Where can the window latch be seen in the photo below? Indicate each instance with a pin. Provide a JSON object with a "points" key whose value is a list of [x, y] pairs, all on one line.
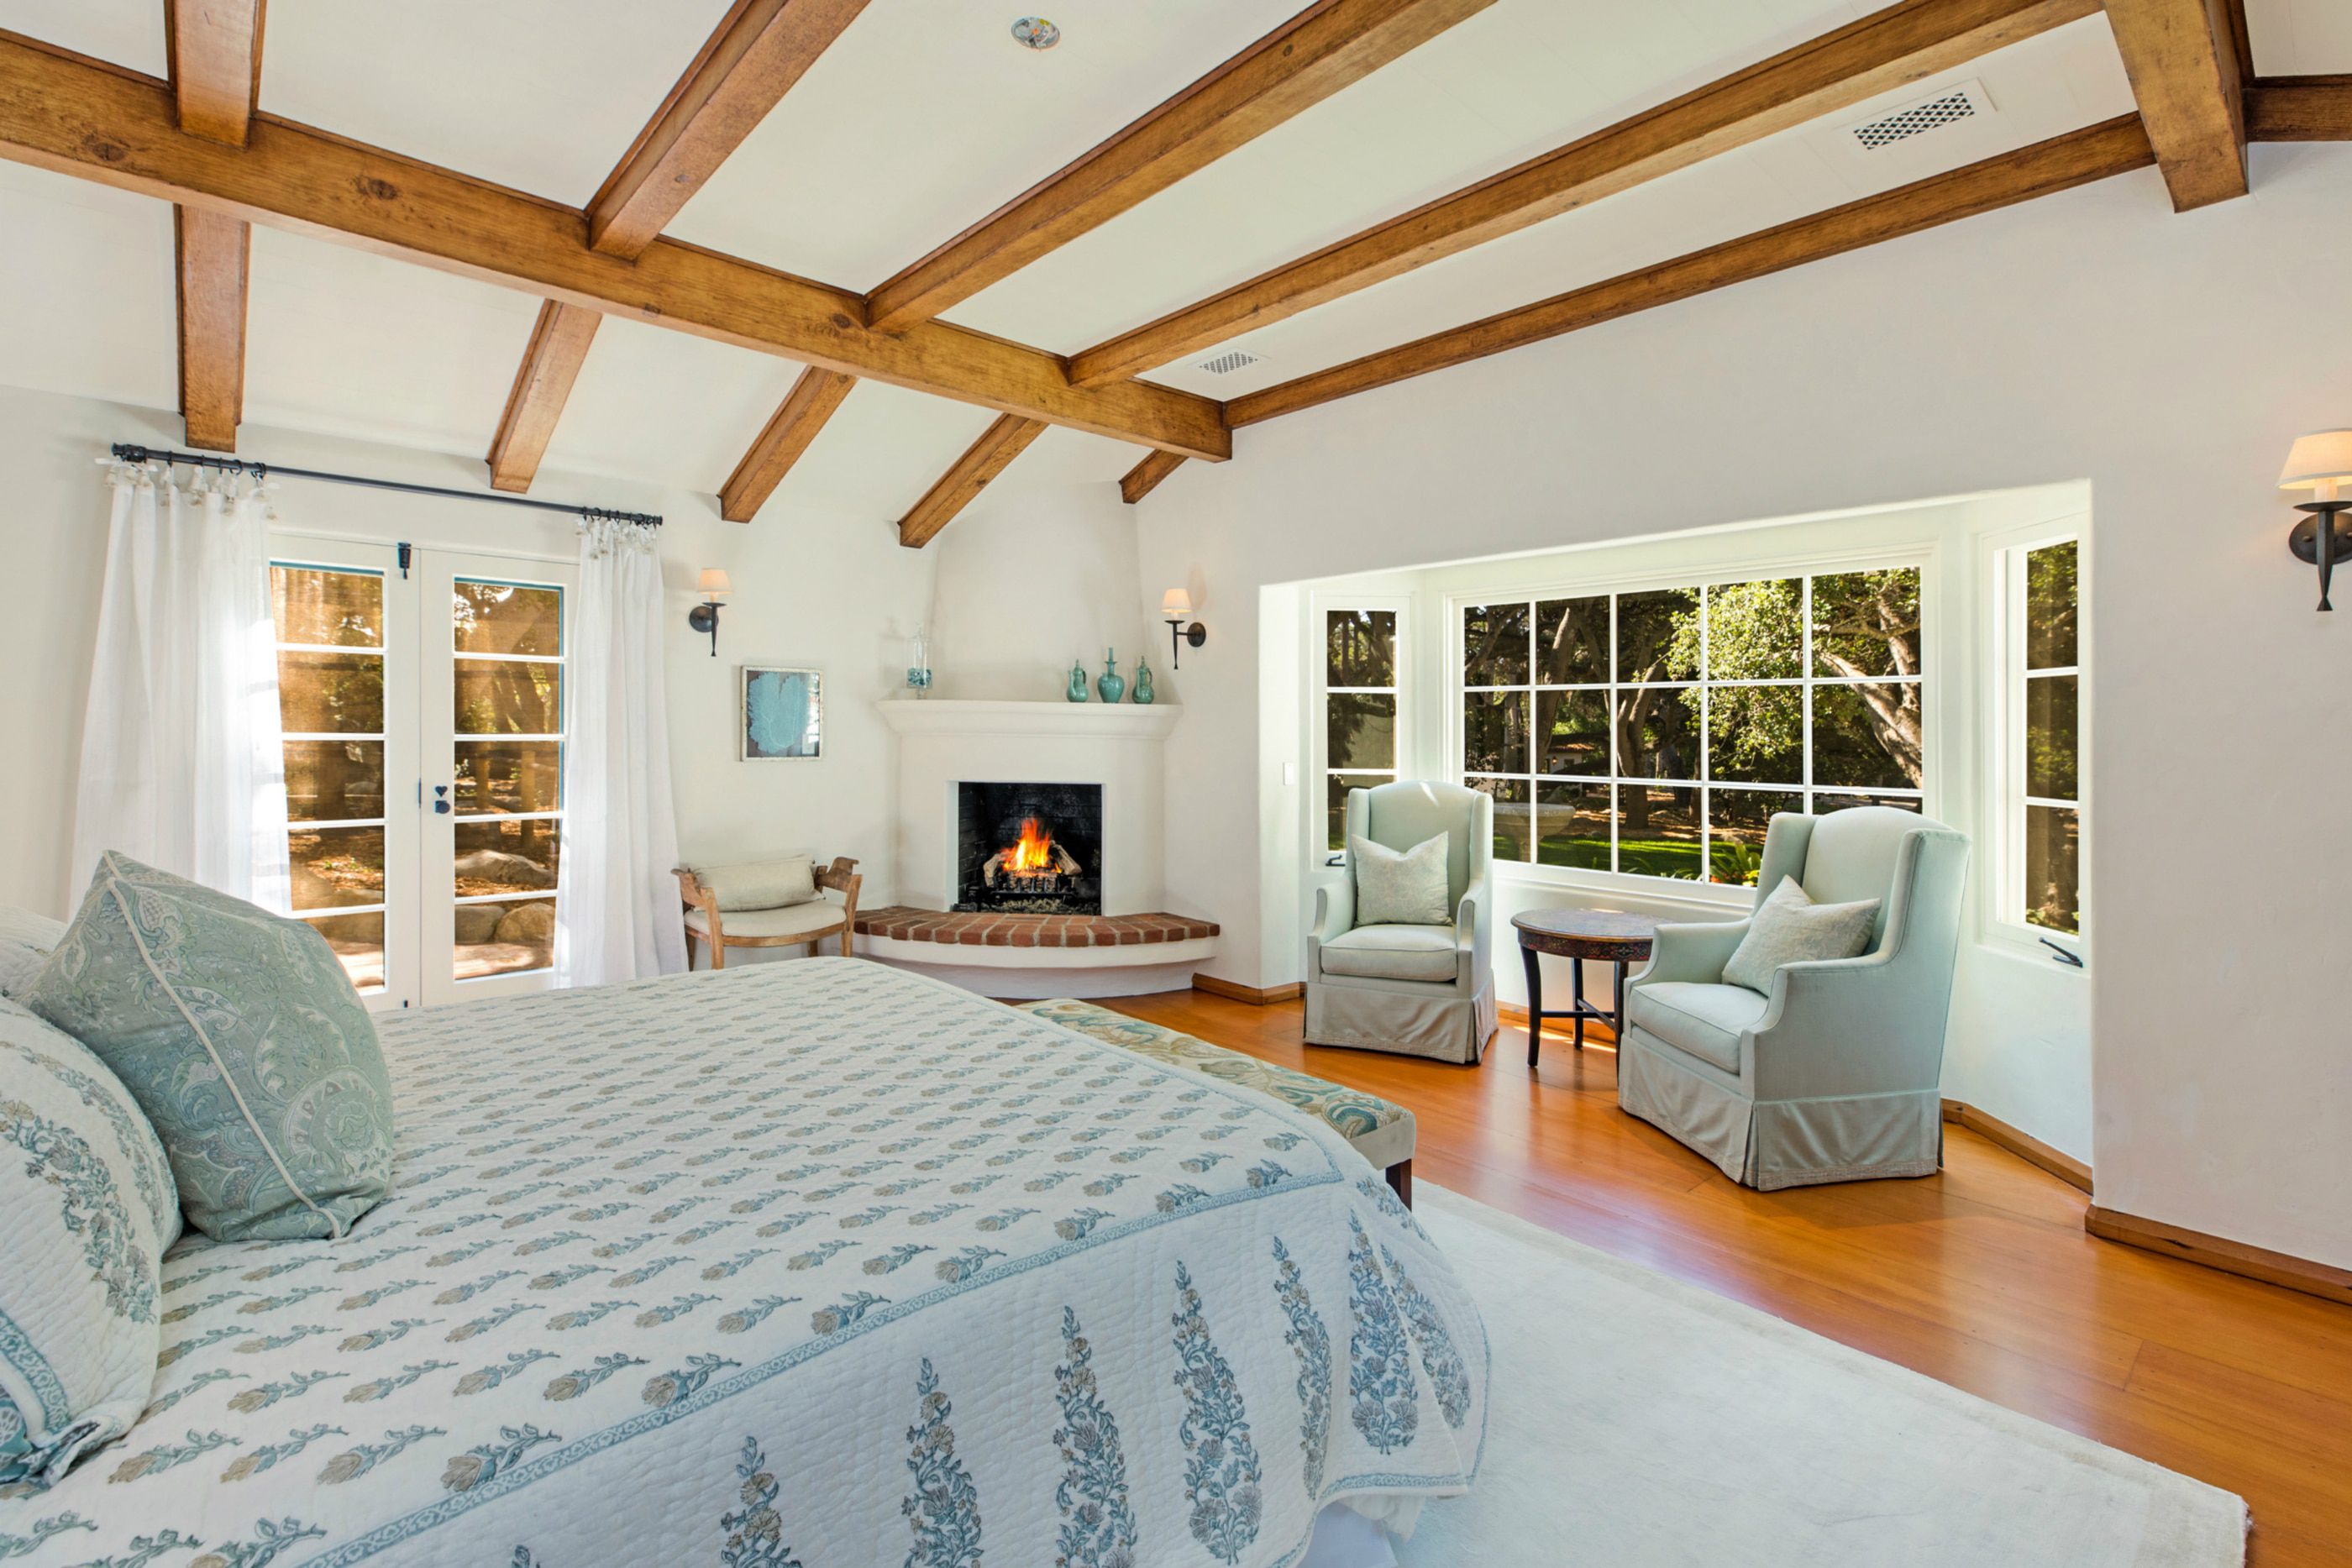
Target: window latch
{"points": [[2066, 955]]}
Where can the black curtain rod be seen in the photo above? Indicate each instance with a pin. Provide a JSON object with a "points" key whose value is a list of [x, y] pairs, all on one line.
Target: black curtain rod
{"points": [[126, 452]]}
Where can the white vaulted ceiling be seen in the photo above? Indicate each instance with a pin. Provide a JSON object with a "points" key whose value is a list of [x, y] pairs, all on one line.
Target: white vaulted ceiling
{"points": [[923, 117]]}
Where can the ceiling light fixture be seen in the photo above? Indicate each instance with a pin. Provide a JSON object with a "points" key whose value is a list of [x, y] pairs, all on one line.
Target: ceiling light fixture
{"points": [[1036, 33]]}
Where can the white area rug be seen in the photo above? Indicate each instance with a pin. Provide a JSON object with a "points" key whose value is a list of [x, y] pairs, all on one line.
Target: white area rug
{"points": [[1639, 1422]]}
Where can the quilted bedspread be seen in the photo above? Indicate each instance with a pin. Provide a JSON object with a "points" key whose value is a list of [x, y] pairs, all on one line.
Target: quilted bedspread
{"points": [[814, 1263]]}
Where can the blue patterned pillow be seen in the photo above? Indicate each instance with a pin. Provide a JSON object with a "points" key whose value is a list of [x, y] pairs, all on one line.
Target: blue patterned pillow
{"points": [[243, 1041], [86, 1211]]}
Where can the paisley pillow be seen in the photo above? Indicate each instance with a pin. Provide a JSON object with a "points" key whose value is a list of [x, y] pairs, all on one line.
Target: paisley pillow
{"points": [[243, 1041], [86, 1210]]}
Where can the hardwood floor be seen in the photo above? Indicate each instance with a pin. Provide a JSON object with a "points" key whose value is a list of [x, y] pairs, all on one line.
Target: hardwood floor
{"points": [[1981, 1276]]}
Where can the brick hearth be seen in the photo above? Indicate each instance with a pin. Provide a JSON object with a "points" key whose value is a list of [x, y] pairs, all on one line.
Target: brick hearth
{"points": [[900, 923]]}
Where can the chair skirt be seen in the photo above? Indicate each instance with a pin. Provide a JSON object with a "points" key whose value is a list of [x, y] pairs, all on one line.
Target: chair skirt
{"points": [[1405, 1019]]}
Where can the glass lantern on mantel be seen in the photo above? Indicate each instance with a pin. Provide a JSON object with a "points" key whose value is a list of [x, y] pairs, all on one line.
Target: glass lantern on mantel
{"points": [[918, 665]]}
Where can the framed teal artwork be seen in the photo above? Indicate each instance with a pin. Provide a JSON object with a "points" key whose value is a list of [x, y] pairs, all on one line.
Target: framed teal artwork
{"points": [[783, 714]]}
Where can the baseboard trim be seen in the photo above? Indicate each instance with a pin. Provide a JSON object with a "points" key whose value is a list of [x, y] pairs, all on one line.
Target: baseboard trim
{"points": [[1594, 1033], [2325, 1280], [1256, 996], [2017, 1141]]}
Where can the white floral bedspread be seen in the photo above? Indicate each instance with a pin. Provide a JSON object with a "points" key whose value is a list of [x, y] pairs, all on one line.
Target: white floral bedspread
{"points": [[812, 1263]]}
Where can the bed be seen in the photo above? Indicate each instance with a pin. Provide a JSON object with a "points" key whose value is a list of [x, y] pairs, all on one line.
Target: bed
{"points": [[817, 1263]]}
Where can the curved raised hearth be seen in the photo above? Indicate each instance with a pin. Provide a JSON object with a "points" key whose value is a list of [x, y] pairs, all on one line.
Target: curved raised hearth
{"points": [[1033, 955]]}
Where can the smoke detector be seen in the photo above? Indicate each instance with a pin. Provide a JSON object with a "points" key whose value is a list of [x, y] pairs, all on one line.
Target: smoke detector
{"points": [[1944, 107], [1036, 33], [1229, 361]]}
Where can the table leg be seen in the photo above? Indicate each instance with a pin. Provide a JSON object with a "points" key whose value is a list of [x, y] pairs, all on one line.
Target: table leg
{"points": [[1617, 1002], [1576, 979], [1535, 1003]]}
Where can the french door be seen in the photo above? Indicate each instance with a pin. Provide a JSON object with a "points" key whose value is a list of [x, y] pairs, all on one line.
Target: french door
{"points": [[425, 705]]}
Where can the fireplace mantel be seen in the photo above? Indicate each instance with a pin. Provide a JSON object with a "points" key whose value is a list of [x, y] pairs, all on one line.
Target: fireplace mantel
{"points": [[1103, 721]]}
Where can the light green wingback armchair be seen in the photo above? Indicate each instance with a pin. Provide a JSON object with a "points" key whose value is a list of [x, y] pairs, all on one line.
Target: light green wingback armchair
{"points": [[1415, 990], [1837, 1074]]}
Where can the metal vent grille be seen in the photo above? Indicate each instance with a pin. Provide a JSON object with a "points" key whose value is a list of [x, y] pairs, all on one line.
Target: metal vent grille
{"points": [[1229, 361], [1931, 114]]}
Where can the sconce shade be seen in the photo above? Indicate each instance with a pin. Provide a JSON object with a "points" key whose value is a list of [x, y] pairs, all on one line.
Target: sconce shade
{"points": [[1176, 602], [2317, 459], [713, 582]]}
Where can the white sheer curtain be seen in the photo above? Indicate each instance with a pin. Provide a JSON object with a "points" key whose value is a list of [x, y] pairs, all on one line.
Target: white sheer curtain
{"points": [[616, 903], [180, 761]]}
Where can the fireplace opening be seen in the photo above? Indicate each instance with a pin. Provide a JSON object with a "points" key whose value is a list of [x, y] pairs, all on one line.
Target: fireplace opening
{"points": [[1029, 849]]}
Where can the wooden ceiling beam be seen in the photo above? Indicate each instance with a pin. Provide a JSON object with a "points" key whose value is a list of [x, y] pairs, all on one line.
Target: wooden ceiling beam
{"points": [[1144, 478], [1324, 49], [795, 423], [2095, 152], [558, 348], [211, 256], [214, 50], [749, 61], [1877, 53], [76, 116], [2182, 58], [998, 446], [2300, 108]]}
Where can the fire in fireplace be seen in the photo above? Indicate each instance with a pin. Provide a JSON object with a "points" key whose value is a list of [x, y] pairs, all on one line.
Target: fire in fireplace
{"points": [[1029, 849]]}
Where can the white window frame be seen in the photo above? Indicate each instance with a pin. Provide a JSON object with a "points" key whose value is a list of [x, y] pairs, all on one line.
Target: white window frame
{"points": [[2003, 570], [1805, 565], [1321, 608]]}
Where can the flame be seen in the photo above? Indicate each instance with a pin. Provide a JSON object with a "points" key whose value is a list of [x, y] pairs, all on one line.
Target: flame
{"points": [[1035, 851]]}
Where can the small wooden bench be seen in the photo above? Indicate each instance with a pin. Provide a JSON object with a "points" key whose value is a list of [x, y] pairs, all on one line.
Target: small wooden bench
{"points": [[792, 925]]}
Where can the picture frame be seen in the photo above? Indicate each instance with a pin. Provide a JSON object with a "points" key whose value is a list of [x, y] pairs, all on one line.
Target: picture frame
{"points": [[779, 712]]}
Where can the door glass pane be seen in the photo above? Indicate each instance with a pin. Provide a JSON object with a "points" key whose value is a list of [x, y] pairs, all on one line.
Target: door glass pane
{"points": [[1572, 642], [1657, 732], [1756, 734], [334, 780], [357, 942], [1737, 821], [1495, 732], [336, 866], [1657, 635], [510, 776], [508, 697], [331, 694], [2049, 607], [1657, 831], [496, 852], [506, 617], [2053, 868], [1867, 624], [506, 855], [1361, 729], [1572, 825], [1573, 727], [1334, 800], [1756, 631], [1869, 735], [2050, 737], [327, 608], [1495, 646], [1360, 648], [505, 938]]}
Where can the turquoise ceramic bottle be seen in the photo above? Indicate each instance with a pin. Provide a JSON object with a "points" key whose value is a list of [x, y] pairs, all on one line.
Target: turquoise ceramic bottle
{"points": [[1143, 692], [1112, 684], [1077, 680]]}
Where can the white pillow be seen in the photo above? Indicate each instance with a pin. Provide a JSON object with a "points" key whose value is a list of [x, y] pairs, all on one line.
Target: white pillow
{"points": [[1405, 887], [26, 939], [86, 1208], [1791, 928], [761, 884]]}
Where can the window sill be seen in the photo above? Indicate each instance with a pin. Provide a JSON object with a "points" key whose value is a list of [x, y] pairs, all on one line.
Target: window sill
{"points": [[2024, 943], [1707, 899]]}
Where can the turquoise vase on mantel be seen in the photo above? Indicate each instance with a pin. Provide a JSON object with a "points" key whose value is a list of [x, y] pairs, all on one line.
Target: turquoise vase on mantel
{"points": [[1111, 684], [1077, 680], [1143, 692]]}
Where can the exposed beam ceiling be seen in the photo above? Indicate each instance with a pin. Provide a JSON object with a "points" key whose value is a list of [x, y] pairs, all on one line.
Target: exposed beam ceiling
{"points": [[1322, 50], [796, 421], [1144, 478], [2182, 58], [2095, 152], [212, 251], [214, 47], [71, 115], [559, 346], [752, 60], [998, 446], [1883, 51], [2300, 108]]}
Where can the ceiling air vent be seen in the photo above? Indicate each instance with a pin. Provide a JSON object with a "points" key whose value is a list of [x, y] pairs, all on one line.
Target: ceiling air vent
{"points": [[1229, 361], [1949, 107]]}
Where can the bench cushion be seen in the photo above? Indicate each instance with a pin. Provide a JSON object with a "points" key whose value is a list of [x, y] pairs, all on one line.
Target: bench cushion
{"points": [[801, 920], [1380, 1130]]}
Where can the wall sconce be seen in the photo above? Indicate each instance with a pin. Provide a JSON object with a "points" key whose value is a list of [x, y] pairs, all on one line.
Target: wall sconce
{"points": [[2320, 463], [1177, 606], [704, 617]]}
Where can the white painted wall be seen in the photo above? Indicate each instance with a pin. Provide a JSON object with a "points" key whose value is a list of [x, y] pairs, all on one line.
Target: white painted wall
{"points": [[2167, 360], [812, 586]]}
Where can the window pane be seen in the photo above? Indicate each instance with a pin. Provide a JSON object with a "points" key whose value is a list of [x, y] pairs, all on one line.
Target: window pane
{"points": [[1335, 802], [1737, 821], [335, 609], [1756, 631], [1867, 624], [1868, 736], [1360, 648], [1824, 804], [357, 942], [2053, 868], [1572, 642], [331, 694], [510, 776], [1657, 832], [1757, 734], [1657, 733], [505, 857], [1572, 821], [1495, 732], [2050, 737], [506, 618], [1511, 812], [2049, 607], [1495, 646], [1657, 635], [504, 938], [335, 866], [1575, 730], [499, 696], [1361, 730], [333, 780]]}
